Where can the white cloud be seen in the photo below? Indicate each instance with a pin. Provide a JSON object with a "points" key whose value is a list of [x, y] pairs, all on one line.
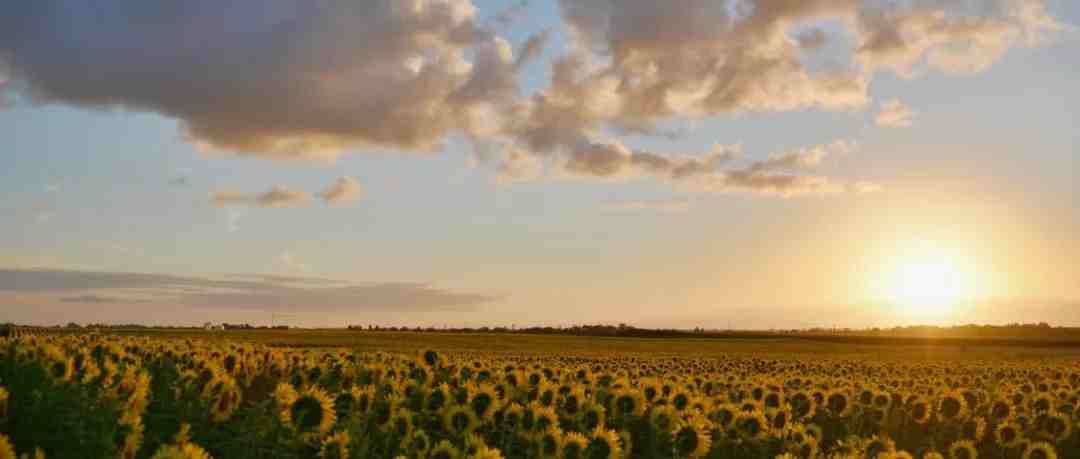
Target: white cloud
{"points": [[344, 189], [895, 114]]}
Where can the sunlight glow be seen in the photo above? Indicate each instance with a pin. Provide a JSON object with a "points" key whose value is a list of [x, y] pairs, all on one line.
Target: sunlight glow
{"points": [[927, 283]]}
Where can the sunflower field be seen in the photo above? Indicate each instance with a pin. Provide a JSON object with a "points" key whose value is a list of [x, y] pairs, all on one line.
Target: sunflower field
{"points": [[97, 396]]}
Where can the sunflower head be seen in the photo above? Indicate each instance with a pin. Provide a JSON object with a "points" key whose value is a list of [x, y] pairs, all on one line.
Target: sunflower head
{"points": [[444, 450], [1000, 410], [963, 449], [400, 424], [311, 414], [573, 446], [627, 403], [1008, 434], [6, 450], [335, 446], [752, 425], [459, 421], [549, 441], [184, 451], [663, 419], [838, 403], [417, 443], [592, 417], [545, 417], [691, 439], [1040, 450], [603, 444], [877, 446]]}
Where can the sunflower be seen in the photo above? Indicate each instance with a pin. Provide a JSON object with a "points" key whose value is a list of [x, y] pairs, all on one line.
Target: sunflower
{"points": [[483, 401], [573, 446], [133, 438], [1040, 450], [1000, 410], [400, 423], [680, 399], [459, 421], [437, 398], [591, 417], [974, 428], [779, 420], [692, 439], [1055, 426], [549, 441], [545, 417], [6, 450], [752, 425], [486, 452], [952, 407], [311, 413], [182, 451], [876, 446], [417, 443], [224, 397], [802, 405], [838, 403], [335, 446], [1007, 435], [285, 394], [604, 444], [3, 402], [627, 404], [512, 416], [663, 419], [430, 357], [932, 455], [723, 415], [650, 389], [963, 449], [571, 402], [444, 450]]}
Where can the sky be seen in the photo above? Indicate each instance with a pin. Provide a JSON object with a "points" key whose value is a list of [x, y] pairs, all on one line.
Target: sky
{"points": [[707, 163]]}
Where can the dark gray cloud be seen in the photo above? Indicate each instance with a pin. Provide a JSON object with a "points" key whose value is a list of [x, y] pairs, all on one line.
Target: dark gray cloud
{"points": [[275, 78], [256, 292], [97, 299], [276, 196]]}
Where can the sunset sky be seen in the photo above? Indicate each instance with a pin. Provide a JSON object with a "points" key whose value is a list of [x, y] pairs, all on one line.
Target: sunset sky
{"points": [[713, 163]]}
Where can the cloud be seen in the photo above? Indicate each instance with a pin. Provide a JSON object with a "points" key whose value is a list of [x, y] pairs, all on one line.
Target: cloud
{"points": [[895, 114], [636, 63], [344, 189], [668, 206], [613, 159], [773, 176], [803, 158], [950, 36], [287, 263], [296, 80], [254, 292], [277, 196], [311, 80], [519, 166], [96, 299]]}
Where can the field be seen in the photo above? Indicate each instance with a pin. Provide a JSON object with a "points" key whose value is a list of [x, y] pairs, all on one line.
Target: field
{"points": [[335, 393]]}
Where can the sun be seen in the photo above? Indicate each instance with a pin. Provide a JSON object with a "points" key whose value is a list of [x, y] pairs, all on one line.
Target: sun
{"points": [[926, 282]]}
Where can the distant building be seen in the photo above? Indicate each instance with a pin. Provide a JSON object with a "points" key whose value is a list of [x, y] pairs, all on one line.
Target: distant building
{"points": [[212, 327]]}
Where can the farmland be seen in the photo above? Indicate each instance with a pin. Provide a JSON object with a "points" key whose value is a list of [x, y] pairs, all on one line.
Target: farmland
{"points": [[338, 393]]}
